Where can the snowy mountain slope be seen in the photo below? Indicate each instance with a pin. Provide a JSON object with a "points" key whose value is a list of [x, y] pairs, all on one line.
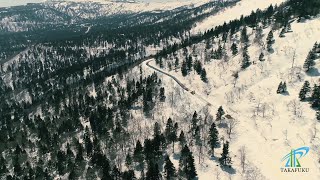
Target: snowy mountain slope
{"points": [[76, 108], [60, 20], [100, 7], [64, 14], [244, 7], [267, 137]]}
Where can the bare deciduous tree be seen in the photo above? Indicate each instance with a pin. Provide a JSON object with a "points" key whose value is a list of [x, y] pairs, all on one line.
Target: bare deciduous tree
{"points": [[295, 107], [314, 130], [264, 108], [231, 123], [285, 132], [251, 97], [253, 173], [243, 157], [230, 97]]}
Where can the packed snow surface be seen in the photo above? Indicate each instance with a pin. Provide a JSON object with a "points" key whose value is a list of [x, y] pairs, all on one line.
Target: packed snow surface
{"points": [[243, 7]]}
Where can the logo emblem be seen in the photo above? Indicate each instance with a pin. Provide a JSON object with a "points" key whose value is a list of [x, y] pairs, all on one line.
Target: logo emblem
{"points": [[292, 159]]}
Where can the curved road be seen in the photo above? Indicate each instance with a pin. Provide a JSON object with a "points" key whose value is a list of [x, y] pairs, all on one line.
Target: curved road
{"points": [[176, 80]]}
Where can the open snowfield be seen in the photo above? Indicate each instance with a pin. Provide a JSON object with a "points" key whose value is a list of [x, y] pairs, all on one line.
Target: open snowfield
{"points": [[244, 7]]}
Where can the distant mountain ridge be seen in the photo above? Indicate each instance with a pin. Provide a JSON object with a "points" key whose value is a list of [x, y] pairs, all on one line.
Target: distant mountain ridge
{"points": [[68, 13]]}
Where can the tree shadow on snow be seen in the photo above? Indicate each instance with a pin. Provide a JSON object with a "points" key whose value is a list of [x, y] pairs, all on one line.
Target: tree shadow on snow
{"points": [[313, 72], [214, 158], [160, 163], [136, 107], [176, 156], [229, 169], [271, 51], [222, 125]]}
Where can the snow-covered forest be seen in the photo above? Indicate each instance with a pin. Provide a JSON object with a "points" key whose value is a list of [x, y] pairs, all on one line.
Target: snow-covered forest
{"points": [[181, 91]]}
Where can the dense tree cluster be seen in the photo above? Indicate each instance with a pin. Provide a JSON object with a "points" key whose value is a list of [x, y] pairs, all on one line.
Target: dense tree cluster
{"points": [[276, 16], [61, 123], [282, 88], [312, 55], [304, 92]]}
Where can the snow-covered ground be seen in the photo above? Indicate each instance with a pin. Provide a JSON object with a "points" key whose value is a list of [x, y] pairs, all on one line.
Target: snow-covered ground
{"points": [[271, 136], [112, 7], [267, 137], [244, 7]]}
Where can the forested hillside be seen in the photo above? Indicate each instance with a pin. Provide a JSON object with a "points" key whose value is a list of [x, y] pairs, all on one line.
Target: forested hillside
{"points": [[87, 94]]}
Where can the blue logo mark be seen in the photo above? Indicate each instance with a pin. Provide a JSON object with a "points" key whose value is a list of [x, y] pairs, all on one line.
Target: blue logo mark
{"points": [[292, 159]]}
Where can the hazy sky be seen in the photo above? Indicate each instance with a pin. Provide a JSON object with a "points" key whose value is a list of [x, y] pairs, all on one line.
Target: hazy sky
{"points": [[6, 3]]}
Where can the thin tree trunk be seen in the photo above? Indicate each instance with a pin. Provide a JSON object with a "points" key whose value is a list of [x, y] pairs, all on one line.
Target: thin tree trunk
{"points": [[173, 147]]}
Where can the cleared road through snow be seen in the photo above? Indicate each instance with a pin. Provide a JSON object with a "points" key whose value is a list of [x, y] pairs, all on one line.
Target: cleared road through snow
{"points": [[176, 80]]}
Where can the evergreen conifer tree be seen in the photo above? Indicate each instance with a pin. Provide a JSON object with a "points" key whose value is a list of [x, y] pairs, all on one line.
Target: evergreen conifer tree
{"points": [[184, 69], [153, 172], [128, 175], [284, 87], [234, 49], [128, 161], [169, 169], [315, 97], [220, 113], [160, 62], [204, 75], [194, 121], [171, 132], [219, 52], [245, 58], [259, 33], [270, 41], [189, 63], [90, 173], [186, 164], [182, 139], [244, 35], [261, 57], [198, 67], [318, 115], [138, 154], [162, 94], [176, 63], [225, 159], [213, 137], [279, 90], [191, 172], [156, 129], [304, 91], [185, 151], [309, 62], [72, 175], [282, 33], [197, 136]]}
